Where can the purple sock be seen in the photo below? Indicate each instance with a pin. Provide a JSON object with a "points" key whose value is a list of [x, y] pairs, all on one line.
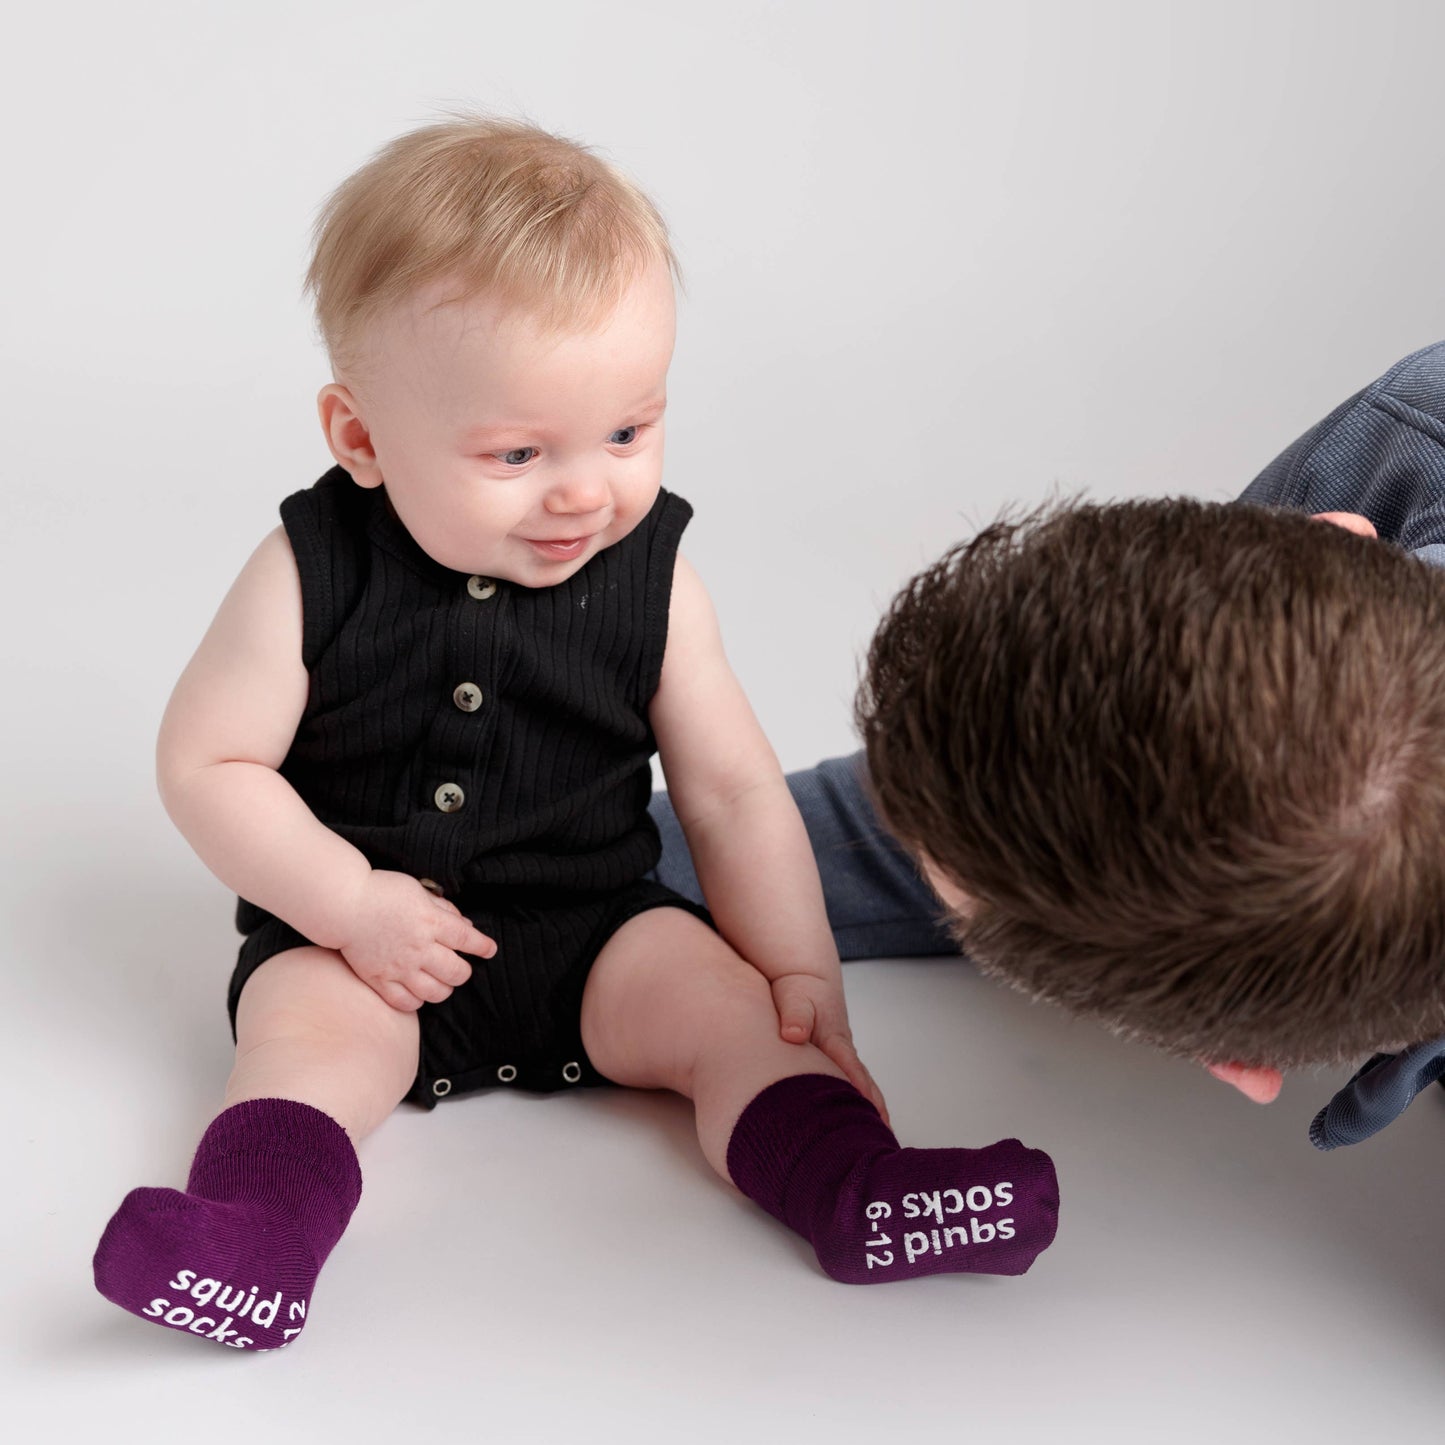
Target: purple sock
{"points": [[816, 1155], [234, 1258]]}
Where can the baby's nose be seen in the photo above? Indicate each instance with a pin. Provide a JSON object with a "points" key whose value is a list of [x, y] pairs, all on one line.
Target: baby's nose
{"points": [[578, 494]]}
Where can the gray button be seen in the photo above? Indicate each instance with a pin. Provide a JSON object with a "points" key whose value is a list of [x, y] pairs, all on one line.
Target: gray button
{"points": [[571, 1072], [432, 886], [507, 1073], [467, 696], [481, 588], [449, 797], [441, 1087]]}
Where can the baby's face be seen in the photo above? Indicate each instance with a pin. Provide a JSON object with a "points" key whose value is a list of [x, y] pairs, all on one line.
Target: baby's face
{"points": [[508, 451]]}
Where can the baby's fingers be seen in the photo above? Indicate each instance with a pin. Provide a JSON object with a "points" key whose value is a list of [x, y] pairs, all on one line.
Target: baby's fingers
{"points": [[398, 995], [429, 987], [796, 1014], [459, 934], [839, 1048], [447, 967]]}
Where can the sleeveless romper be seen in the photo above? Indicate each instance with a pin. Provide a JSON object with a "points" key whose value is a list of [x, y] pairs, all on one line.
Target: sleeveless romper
{"points": [[493, 741]]}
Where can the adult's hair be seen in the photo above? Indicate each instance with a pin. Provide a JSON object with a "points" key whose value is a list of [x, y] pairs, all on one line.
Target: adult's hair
{"points": [[494, 205], [1187, 762]]}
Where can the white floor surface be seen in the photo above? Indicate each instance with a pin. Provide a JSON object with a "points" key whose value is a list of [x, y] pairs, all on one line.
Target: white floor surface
{"points": [[567, 1268]]}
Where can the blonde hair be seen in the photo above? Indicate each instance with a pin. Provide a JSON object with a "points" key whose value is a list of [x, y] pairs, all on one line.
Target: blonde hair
{"points": [[499, 205]]}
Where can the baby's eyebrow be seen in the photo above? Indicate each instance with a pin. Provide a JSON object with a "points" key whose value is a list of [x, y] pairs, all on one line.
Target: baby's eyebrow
{"points": [[479, 434]]}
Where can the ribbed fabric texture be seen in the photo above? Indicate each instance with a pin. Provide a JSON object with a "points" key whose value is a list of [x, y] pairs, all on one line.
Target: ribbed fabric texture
{"points": [[814, 1153], [492, 740], [552, 766], [234, 1258]]}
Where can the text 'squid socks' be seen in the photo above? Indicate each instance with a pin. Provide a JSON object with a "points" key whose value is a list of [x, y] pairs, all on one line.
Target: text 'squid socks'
{"points": [[816, 1155], [234, 1258]]}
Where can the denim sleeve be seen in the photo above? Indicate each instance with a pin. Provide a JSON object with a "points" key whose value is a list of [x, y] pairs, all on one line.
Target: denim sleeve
{"points": [[878, 904], [1377, 1095], [1381, 454]]}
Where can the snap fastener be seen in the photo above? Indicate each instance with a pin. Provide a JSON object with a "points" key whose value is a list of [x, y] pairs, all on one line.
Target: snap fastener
{"points": [[441, 1087], [449, 797], [481, 588], [571, 1072], [432, 886], [507, 1073], [467, 696]]}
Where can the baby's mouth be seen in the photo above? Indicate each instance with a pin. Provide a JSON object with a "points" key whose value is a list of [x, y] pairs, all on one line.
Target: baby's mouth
{"points": [[561, 550]]}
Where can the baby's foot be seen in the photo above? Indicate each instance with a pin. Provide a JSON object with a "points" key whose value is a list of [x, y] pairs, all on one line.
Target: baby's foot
{"points": [[235, 1257], [938, 1211], [815, 1154]]}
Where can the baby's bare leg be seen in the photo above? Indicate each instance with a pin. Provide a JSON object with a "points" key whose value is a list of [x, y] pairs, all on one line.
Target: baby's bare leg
{"points": [[320, 1061], [670, 1005], [308, 1029]]}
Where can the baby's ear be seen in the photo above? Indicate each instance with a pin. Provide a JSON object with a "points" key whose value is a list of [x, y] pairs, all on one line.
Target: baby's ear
{"points": [[1260, 1086], [347, 434]]}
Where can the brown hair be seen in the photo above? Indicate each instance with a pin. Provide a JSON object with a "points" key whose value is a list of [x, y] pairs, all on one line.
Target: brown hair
{"points": [[499, 205], [1187, 760]]}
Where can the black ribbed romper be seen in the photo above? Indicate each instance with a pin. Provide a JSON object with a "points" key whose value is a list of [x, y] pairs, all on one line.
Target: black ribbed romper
{"points": [[492, 740]]}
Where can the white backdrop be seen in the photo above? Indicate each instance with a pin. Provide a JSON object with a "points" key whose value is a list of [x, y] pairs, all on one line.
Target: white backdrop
{"points": [[940, 257]]}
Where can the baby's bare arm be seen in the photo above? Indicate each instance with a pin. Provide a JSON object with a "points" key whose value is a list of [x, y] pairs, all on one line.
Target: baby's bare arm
{"points": [[227, 729], [225, 733], [747, 839]]}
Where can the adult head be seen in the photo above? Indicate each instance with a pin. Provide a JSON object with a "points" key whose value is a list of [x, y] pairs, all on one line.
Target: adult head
{"points": [[1180, 766]]}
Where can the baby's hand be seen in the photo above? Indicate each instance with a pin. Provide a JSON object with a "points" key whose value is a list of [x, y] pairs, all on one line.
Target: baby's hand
{"points": [[811, 1010], [404, 941]]}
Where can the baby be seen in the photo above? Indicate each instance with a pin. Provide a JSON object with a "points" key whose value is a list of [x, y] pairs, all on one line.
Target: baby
{"points": [[416, 741]]}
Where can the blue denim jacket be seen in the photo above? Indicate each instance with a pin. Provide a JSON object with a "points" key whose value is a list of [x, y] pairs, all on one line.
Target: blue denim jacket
{"points": [[1381, 454]]}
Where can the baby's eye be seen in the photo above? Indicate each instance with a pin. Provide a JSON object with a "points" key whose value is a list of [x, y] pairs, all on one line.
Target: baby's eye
{"points": [[623, 436], [518, 456]]}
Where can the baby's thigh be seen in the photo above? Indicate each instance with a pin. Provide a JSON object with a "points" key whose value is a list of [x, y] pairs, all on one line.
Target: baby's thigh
{"points": [[662, 985], [308, 1028]]}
